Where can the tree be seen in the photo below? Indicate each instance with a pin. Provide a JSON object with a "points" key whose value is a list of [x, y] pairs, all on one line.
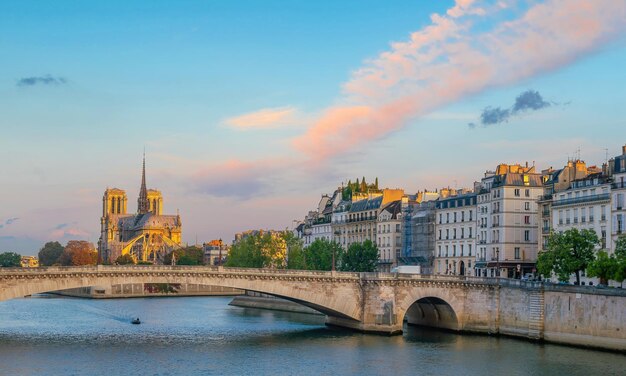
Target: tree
{"points": [[246, 253], [49, 254], [10, 260], [360, 257], [261, 250], [620, 256], [568, 253], [319, 255], [77, 253], [186, 256], [126, 259], [295, 252], [603, 267]]}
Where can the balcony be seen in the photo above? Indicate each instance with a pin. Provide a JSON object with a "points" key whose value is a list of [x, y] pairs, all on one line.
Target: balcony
{"points": [[619, 185], [581, 200]]}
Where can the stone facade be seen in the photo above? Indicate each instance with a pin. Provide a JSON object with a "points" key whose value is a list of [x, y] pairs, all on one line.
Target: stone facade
{"points": [[507, 221], [455, 230], [146, 236]]}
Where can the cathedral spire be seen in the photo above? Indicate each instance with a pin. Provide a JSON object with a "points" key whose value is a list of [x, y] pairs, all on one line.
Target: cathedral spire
{"points": [[143, 205]]}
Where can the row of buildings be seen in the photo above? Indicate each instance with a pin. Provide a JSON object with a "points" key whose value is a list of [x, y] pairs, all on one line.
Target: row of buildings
{"points": [[495, 228]]}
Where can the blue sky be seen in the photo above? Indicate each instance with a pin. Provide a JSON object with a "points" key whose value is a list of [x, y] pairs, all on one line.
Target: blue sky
{"points": [[250, 110]]}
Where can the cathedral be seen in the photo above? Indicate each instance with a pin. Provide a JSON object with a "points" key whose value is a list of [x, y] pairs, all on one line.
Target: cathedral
{"points": [[146, 236]]}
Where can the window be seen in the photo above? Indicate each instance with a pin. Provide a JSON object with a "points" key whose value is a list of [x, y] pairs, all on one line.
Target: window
{"points": [[454, 216], [470, 215], [454, 250], [527, 219], [440, 215], [516, 192], [461, 254], [517, 253], [462, 233], [527, 235], [447, 217], [470, 232], [462, 216], [454, 234], [439, 234], [527, 205], [447, 234], [439, 251], [527, 193], [469, 249]]}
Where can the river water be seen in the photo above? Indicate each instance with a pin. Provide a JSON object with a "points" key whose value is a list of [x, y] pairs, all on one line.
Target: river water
{"points": [[205, 336]]}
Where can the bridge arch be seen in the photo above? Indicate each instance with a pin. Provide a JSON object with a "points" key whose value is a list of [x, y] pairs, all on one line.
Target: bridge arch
{"points": [[335, 295], [435, 307]]}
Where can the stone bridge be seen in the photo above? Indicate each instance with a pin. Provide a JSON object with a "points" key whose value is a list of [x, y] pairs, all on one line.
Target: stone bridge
{"points": [[380, 302]]}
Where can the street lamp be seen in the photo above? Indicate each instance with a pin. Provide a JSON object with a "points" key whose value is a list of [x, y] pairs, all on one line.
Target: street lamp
{"points": [[497, 262]]}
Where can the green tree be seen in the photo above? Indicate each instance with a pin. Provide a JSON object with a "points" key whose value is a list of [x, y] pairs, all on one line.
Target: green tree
{"points": [[319, 254], [49, 254], [77, 253], [191, 255], [604, 267], [568, 253], [360, 257], [247, 253], [10, 260], [126, 259], [295, 251], [620, 256]]}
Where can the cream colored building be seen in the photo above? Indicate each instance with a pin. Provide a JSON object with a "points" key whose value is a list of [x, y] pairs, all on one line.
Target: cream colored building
{"points": [[507, 221], [356, 222], [617, 166], [389, 235], [147, 235], [455, 231]]}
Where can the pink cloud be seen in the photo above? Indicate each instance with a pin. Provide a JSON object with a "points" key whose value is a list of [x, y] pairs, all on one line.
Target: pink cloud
{"points": [[264, 118], [448, 60]]}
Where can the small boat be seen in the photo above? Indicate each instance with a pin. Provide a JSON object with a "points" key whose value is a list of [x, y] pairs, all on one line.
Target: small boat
{"points": [[136, 321]]}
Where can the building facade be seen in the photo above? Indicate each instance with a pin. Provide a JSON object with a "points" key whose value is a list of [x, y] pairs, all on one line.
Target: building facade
{"points": [[507, 221], [147, 235], [617, 167], [455, 232], [389, 235]]}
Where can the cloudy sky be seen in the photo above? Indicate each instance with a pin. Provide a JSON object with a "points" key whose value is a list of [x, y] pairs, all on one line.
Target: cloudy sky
{"points": [[249, 110]]}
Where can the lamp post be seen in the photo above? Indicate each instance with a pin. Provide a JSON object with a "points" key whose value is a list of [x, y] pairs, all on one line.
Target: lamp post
{"points": [[219, 260], [497, 262]]}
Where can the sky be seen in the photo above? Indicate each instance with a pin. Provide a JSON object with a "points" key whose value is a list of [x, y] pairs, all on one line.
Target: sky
{"points": [[249, 111]]}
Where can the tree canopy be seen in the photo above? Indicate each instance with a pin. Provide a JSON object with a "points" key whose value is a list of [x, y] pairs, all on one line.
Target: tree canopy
{"points": [[261, 250], [126, 259], [49, 254], [360, 257], [77, 253], [319, 255], [191, 255], [567, 253], [10, 260]]}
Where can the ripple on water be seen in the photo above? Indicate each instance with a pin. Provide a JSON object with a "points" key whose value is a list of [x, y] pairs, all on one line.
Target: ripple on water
{"points": [[200, 336]]}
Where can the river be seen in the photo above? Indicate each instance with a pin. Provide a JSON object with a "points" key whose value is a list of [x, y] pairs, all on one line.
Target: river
{"points": [[205, 336]]}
